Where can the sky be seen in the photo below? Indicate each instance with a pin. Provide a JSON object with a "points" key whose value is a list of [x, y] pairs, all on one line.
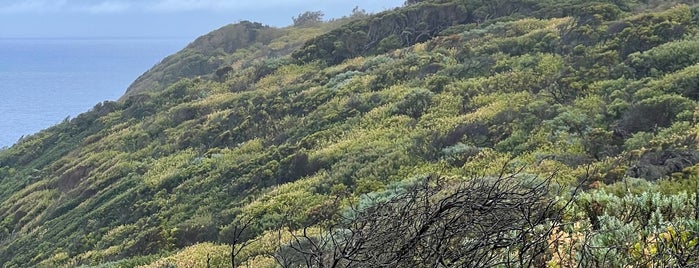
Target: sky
{"points": [[158, 18]]}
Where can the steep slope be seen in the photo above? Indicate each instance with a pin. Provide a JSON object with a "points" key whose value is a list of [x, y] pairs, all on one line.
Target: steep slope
{"points": [[211, 55], [203, 56], [288, 128]]}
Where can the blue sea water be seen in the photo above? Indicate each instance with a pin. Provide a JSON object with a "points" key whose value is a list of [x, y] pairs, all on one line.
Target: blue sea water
{"points": [[44, 81]]}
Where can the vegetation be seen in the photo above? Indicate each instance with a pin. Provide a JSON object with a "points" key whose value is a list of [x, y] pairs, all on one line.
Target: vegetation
{"points": [[442, 133]]}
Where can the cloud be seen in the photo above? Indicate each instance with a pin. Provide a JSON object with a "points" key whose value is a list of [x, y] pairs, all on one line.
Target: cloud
{"points": [[58, 6], [160, 6], [38, 6], [214, 5], [113, 6], [104, 7]]}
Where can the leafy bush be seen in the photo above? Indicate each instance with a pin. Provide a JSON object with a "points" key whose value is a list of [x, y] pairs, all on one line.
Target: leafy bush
{"points": [[308, 18], [665, 58], [415, 103], [655, 112]]}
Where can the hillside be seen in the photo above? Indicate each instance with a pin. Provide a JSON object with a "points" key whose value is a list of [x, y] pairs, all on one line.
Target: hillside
{"points": [[445, 133]]}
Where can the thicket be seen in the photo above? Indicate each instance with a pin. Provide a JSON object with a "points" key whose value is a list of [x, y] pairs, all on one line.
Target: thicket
{"points": [[294, 144]]}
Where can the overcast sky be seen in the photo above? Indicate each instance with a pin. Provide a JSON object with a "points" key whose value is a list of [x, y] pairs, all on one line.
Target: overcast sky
{"points": [[158, 18]]}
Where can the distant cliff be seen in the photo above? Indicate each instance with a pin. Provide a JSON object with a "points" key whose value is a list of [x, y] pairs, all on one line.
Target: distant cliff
{"points": [[203, 56]]}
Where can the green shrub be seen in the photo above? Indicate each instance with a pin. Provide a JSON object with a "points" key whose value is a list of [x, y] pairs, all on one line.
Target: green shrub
{"points": [[415, 103]]}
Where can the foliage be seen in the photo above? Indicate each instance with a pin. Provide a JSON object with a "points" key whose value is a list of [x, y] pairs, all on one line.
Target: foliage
{"points": [[253, 134], [415, 103], [632, 230], [308, 18]]}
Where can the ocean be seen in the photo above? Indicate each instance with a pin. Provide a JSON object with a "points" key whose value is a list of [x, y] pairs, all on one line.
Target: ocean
{"points": [[44, 81]]}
